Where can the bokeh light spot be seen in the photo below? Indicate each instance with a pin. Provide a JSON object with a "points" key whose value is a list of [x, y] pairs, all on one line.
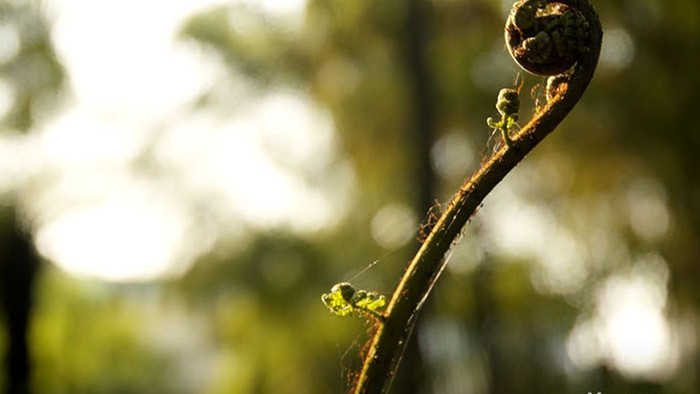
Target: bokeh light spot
{"points": [[618, 50], [130, 237], [393, 225], [649, 216], [452, 155], [9, 42]]}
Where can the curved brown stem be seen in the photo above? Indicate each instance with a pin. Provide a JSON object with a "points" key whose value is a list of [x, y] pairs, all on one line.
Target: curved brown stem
{"points": [[389, 341]]}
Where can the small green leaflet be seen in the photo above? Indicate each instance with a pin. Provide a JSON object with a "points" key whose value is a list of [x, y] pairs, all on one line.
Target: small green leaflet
{"points": [[344, 299]]}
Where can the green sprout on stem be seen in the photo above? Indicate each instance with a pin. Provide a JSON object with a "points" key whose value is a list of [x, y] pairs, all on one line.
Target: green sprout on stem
{"points": [[344, 300], [508, 105]]}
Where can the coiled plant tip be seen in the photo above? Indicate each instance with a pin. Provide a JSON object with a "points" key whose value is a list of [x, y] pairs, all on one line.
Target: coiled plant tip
{"points": [[547, 38], [508, 105], [344, 299], [559, 39]]}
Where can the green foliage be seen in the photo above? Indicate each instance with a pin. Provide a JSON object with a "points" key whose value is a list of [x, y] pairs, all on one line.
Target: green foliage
{"points": [[90, 339], [33, 72]]}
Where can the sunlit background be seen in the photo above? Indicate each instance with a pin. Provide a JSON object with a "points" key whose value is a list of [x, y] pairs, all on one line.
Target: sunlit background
{"points": [[193, 175]]}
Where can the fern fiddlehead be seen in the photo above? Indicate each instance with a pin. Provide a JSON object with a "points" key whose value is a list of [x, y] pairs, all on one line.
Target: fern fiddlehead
{"points": [[508, 105], [559, 39], [344, 299], [547, 38]]}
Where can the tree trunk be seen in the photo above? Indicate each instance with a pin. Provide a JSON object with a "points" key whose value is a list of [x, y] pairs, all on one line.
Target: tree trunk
{"points": [[18, 268]]}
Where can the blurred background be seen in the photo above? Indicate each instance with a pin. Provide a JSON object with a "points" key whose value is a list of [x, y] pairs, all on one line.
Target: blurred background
{"points": [[182, 180]]}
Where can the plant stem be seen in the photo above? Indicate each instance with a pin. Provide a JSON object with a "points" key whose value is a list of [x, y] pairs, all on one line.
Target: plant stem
{"points": [[505, 130], [388, 343]]}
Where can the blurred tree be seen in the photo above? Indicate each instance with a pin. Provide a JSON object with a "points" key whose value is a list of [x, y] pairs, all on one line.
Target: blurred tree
{"points": [[17, 271], [29, 76], [421, 133]]}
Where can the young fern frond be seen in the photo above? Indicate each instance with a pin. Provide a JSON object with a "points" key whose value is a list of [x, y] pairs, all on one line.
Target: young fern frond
{"points": [[508, 105], [343, 300], [558, 39]]}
